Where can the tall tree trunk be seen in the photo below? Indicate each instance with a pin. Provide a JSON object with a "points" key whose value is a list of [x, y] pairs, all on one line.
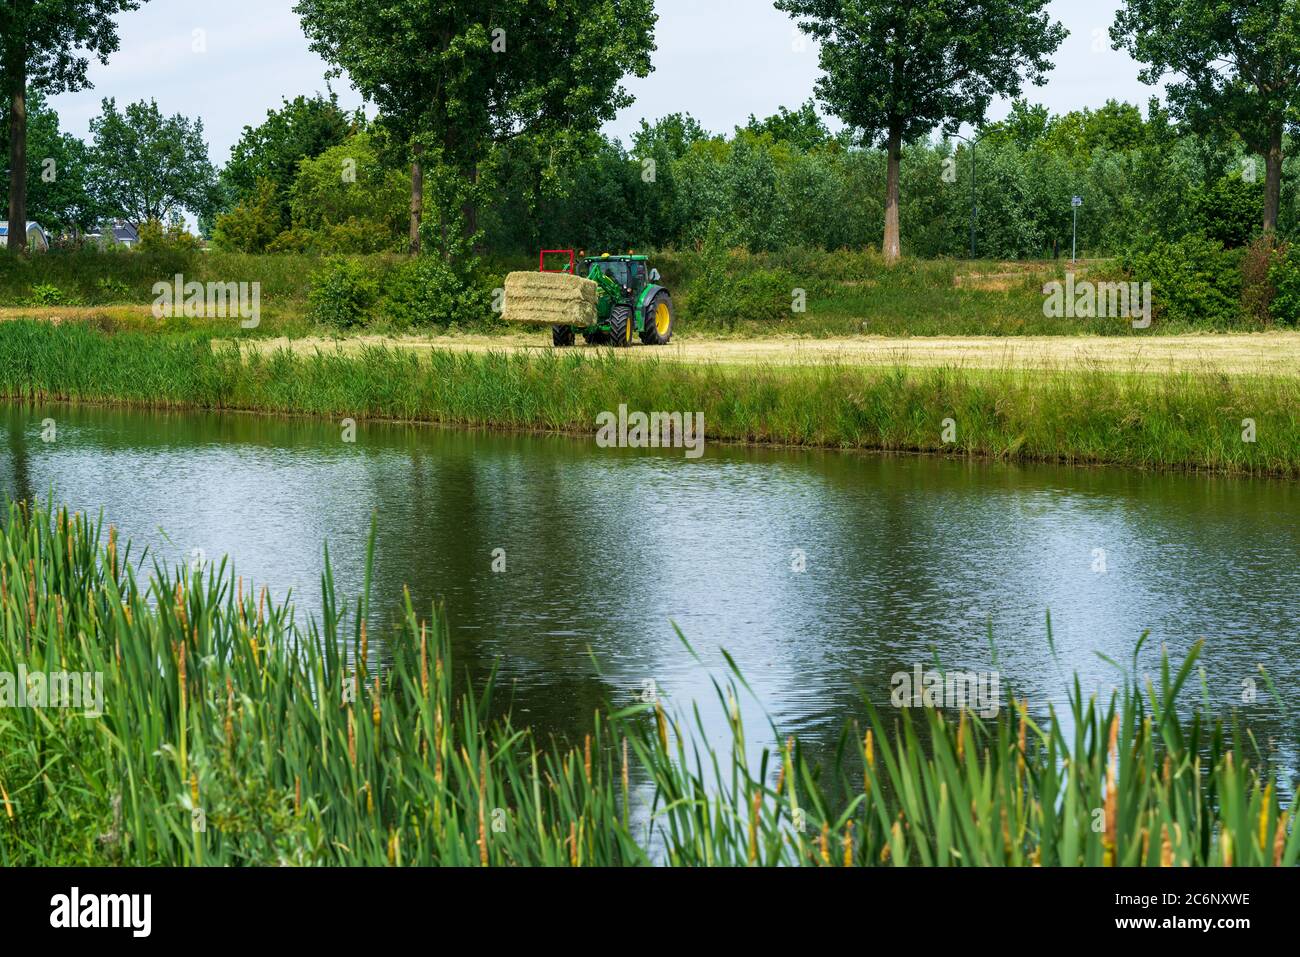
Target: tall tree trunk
{"points": [[894, 147], [417, 197], [1273, 177], [16, 72]]}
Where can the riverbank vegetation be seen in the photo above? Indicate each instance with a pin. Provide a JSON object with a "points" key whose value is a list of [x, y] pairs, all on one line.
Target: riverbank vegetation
{"points": [[1187, 420], [718, 292], [230, 735]]}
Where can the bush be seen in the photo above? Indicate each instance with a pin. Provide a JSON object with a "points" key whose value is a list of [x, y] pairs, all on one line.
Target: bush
{"points": [[1258, 289], [167, 250], [763, 295], [155, 237], [1194, 280], [728, 286], [253, 224], [426, 290], [111, 289], [47, 294], [342, 293], [1284, 277], [364, 210], [1227, 210]]}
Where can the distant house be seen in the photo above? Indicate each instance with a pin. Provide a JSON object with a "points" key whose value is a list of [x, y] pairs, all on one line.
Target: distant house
{"points": [[37, 239], [115, 234]]}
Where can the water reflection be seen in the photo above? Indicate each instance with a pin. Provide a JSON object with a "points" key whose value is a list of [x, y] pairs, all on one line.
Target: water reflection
{"points": [[606, 550]]}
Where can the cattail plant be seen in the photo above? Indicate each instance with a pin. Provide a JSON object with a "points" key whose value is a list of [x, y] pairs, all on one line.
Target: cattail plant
{"points": [[215, 702]]}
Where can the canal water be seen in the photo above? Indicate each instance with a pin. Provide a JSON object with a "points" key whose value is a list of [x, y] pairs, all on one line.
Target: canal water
{"points": [[570, 568]]}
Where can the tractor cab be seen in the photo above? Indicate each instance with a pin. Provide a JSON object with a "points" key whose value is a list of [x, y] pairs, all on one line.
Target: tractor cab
{"points": [[632, 273]]}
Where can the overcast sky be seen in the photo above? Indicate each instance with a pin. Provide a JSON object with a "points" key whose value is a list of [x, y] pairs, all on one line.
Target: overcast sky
{"points": [[719, 60]]}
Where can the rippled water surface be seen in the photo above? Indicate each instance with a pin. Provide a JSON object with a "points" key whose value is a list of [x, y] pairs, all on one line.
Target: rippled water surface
{"points": [[606, 551]]}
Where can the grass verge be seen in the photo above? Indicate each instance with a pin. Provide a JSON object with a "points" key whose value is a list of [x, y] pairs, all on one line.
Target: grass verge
{"points": [[1191, 420]]}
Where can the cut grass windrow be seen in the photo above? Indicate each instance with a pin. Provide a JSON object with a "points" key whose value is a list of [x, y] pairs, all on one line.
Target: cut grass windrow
{"points": [[232, 736], [1190, 420]]}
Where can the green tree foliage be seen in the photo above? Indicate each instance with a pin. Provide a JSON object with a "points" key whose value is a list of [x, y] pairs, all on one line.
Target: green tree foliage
{"points": [[1024, 126], [346, 200], [1227, 209], [253, 224], [1285, 278], [802, 128], [1140, 178], [302, 128], [895, 71], [46, 46], [146, 166], [460, 77], [1237, 70], [58, 195]]}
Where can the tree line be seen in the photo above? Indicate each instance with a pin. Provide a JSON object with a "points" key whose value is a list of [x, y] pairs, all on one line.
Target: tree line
{"points": [[486, 134]]}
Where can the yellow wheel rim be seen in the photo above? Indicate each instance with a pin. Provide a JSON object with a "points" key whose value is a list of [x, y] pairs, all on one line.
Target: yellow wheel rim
{"points": [[663, 319]]}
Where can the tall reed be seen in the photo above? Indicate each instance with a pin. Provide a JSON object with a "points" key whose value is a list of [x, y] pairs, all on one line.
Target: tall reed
{"points": [[231, 735], [1189, 420]]}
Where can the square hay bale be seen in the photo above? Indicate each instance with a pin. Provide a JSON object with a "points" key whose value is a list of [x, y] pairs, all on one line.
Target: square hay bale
{"points": [[550, 299]]}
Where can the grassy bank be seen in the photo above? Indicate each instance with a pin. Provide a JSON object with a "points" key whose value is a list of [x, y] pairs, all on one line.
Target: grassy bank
{"points": [[1184, 421], [718, 294], [231, 736]]}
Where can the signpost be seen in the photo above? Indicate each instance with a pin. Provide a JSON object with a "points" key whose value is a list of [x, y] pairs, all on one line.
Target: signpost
{"points": [[1074, 243]]}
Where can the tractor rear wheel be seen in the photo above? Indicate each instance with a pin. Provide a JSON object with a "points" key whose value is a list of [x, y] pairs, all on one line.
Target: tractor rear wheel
{"points": [[659, 317], [620, 326], [561, 336]]}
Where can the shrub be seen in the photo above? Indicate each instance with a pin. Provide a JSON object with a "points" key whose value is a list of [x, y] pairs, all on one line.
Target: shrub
{"points": [[155, 237], [727, 286], [1227, 210], [1258, 289], [1284, 277], [342, 293], [253, 224], [110, 289], [48, 294], [167, 250], [1194, 280], [426, 290], [364, 210], [762, 295]]}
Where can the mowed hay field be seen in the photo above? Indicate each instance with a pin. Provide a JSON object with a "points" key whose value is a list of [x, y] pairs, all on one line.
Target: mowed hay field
{"points": [[1273, 353]]}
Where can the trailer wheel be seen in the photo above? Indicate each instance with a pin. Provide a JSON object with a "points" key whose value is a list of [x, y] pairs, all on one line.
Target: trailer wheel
{"points": [[561, 336]]}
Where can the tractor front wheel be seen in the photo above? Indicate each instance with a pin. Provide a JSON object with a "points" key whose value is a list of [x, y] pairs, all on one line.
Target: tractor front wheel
{"points": [[658, 328], [561, 336], [620, 326]]}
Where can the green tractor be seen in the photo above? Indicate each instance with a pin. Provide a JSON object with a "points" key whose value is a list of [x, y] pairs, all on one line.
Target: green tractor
{"points": [[631, 302]]}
